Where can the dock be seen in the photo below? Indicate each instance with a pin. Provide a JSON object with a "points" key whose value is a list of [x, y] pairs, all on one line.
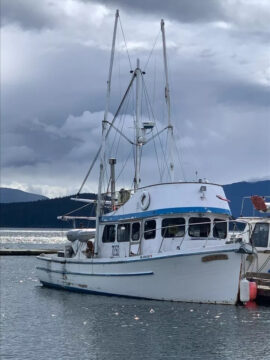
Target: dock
{"points": [[263, 285], [26, 252]]}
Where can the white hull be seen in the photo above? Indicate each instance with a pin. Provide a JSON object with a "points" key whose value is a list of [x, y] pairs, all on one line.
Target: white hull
{"points": [[182, 277]]}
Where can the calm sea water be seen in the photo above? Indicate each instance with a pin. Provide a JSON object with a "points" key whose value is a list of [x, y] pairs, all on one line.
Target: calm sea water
{"points": [[40, 323]]}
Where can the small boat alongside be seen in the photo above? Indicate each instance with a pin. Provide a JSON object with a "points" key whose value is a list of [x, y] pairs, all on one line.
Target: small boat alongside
{"points": [[165, 241], [257, 233]]}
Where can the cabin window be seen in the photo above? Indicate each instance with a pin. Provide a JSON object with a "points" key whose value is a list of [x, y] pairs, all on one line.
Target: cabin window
{"points": [[220, 229], [199, 227], [135, 232], [108, 235], [150, 229], [173, 227], [259, 237], [123, 232]]}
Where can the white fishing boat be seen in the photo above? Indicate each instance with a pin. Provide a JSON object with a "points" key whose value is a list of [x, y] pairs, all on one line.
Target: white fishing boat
{"points": [[256, 231], [165, 241]]}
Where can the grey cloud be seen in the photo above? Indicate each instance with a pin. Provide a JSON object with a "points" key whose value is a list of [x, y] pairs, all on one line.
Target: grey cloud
{"points": [[246, 94], [18, 156], [182, 10], [51, 115], [29, 14], [248, 17]]}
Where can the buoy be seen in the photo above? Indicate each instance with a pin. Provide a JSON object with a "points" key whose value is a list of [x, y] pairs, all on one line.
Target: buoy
{"points": [[244, 290], [252, 290]]}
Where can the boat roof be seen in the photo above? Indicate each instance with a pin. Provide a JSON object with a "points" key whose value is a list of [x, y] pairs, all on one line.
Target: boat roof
{"points": [[254, 219], [181, 182]]}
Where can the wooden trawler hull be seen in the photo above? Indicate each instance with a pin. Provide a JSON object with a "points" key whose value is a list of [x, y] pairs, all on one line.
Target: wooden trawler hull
{"points": [[203, 277]]}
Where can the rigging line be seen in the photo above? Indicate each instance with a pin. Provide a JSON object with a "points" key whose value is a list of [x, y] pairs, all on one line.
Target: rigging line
{"points": [[179, 158], [121, 171], [148, 111], [119, 138], [160, 173], [108, 131], [73, 211], [166, 152], [164, 155], [148, 99], [125, 42], [146, 102], [164, 158], [123, 122], [156, 127], [114, 139], [155, 42], [120, 119], [154, 83]]}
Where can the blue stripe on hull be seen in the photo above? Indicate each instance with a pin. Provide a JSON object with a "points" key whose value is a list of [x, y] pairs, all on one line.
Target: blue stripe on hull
{"points": [[97, 274], [86, 291], [169, 211]]}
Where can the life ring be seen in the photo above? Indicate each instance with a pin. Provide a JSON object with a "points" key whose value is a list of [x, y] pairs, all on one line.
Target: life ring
{"points": [[145, 200]]}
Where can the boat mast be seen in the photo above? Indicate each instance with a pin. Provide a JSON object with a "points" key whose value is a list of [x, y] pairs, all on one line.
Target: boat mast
{"points": [[104, 132], [138, 74], [168, 102]]}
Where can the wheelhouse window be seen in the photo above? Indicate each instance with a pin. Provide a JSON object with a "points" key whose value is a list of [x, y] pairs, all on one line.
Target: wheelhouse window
{"points": [[135, 231], [173, 227], [108, 235], [199, 227], [220, 229], [260, 235], [150, 229], [123, 232]]}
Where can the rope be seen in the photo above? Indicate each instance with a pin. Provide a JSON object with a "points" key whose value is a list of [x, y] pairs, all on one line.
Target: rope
{"points": [[179, 158], [155, 42], [264, 264], [152, 111], [128, 157], [73, 211], [160, 173]]}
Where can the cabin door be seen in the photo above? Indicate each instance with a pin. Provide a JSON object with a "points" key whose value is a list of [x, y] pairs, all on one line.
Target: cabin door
{"points": [[135, 239], [260, 235]]}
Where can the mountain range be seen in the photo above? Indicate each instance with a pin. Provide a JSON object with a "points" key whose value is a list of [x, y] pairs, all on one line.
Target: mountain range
{"points": [[8, 195], [43, 213]]}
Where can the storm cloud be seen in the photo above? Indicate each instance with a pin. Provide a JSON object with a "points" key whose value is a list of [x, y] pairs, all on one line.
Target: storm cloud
{"points": [[54, 66]]}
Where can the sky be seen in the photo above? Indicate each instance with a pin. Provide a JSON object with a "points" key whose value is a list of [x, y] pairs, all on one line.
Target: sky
{"points": [[54, 68]]}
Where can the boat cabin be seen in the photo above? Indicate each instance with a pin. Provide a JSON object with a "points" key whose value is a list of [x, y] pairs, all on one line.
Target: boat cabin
{"points": [[142, 227], [256, 231], [153, 220]]}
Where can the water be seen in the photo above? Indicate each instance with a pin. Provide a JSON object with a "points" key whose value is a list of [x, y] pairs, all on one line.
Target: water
{"points": [[39, 323]]}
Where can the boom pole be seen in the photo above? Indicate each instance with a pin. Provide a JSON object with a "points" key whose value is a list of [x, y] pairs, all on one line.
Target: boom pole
{"points": [[138, 74], [104, 132]]}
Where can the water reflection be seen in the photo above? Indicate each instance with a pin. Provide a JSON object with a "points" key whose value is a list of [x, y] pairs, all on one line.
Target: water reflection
{"points": [[40, 323]]}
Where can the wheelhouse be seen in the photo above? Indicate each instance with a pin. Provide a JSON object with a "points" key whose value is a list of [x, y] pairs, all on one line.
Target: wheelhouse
{"points": [[162, 233]]}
